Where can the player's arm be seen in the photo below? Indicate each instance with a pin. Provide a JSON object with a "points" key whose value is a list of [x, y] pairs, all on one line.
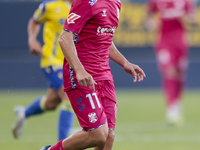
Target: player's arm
{"points": [[68, 48], [33, 31], [190, 17], [130, 68], [150, 22]]}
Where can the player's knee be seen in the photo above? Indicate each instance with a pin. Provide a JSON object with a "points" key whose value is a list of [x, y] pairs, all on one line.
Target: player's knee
{"points": [[170, 73], [111, 135], [50, 106], [100, 138]]}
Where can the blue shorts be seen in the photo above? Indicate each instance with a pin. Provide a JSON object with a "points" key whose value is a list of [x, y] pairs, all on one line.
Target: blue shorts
{"points": [[54, 76]]}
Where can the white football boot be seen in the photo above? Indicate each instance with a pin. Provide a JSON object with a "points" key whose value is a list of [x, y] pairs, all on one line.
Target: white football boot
{"points": [[174, 116], [18, 126], [47, 147]]}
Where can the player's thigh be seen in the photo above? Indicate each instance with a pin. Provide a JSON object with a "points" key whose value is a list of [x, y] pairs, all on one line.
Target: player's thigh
{"points": [[109, 102], [52, 99], [61, 94], [166, 60], [87, 107]]}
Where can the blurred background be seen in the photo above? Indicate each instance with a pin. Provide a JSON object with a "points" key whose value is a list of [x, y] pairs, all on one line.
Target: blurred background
{"points": [[140, 122], [21, 69]]}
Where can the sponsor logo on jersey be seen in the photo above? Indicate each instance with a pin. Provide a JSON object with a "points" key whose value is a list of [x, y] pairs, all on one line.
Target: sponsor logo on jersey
{"points": [[92, 2], [72, 17], [104, 13], [106, 31]]}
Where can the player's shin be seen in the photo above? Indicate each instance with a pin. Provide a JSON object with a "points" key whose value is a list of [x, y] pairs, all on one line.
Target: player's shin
{"points": [[66, 119], [37, 107], [173, 91]]}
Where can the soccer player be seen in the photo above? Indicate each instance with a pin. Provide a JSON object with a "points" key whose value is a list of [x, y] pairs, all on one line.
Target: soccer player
{"points": [[171, 49], [53, 14], [88, 81]]}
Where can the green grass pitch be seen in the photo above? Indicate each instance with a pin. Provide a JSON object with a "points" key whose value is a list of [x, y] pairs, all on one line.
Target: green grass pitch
{"points": [[140, 122]]}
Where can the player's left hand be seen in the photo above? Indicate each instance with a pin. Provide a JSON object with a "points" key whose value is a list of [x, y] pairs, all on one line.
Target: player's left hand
{"points": [[34, 46], [135, 71], [85, 79]]}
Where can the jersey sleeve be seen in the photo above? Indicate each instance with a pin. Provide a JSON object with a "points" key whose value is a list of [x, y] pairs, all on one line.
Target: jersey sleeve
{"points": [[79, 14], [190, 6], [151, 6], [40, 14]]}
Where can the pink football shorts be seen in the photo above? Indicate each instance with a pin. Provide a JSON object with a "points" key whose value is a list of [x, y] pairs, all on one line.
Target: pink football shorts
{"points": [[169, 55], [95, 108]]}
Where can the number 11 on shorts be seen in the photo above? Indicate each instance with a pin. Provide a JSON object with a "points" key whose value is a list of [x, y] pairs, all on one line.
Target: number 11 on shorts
{"points": [[91, 100]]}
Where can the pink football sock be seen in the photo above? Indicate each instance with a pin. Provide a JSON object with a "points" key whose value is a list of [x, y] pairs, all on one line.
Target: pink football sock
{"points": [[172, 89], [58, 146]]}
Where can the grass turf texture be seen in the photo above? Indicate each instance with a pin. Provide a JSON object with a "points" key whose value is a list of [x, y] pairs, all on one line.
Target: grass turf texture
{"points": [[140, 122]]}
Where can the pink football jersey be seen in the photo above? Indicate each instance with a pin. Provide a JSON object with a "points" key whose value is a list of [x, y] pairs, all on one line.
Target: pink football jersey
{"points": [[94, 22], [171, 27]]}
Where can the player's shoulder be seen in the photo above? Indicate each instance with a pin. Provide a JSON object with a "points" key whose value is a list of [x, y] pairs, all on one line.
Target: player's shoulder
{"points": [[91, 3], [46, 3], [153, 0], [84, 4], [102, 3], [158, 1], [190, 1]]}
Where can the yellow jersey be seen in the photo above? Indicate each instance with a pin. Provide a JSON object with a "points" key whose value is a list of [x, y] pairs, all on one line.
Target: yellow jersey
{"points": [[53, 14]]}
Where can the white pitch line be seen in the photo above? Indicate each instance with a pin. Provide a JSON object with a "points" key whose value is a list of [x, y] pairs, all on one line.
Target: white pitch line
{"points": [[141, 126], [164, 138], [147, 126], [134, 132]]}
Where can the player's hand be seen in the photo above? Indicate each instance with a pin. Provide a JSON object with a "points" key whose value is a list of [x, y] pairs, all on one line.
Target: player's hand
{"points": [[85, 79], [35, 47], [135, 71], [150, 24], [188, 19]]}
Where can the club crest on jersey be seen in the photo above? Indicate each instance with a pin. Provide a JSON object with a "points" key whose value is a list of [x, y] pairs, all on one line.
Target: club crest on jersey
{"points": [[72, 17], [92, 117]]}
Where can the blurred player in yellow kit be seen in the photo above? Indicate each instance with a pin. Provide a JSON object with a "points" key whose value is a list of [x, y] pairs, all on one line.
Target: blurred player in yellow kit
{"points": [[53, 14]]}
